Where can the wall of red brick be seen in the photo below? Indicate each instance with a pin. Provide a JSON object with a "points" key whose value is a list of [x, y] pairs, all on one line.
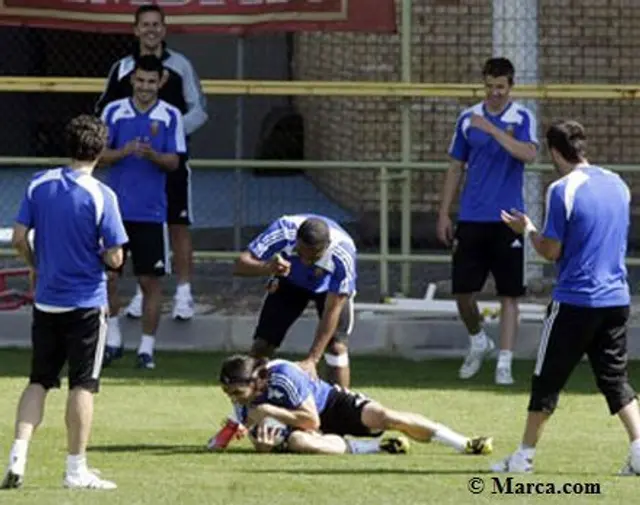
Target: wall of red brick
{"points": [[580, 41]]}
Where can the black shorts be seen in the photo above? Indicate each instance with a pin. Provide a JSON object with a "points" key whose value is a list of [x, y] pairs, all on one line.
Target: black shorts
{"points": [[178, 189], [77, 338], [342, 414], [149, 249], [483, 248], [285, 303], [569, 332]]}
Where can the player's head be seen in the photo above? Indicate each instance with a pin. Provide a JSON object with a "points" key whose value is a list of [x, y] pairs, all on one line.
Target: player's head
{"points": [[498, 75], [147, 79], [567, 144], [313, 239], [243, 378], [149, 27], [85, 138]]}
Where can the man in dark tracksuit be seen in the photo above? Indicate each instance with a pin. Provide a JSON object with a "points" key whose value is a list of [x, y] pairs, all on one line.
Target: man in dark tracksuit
{"points": [[181, 88]]}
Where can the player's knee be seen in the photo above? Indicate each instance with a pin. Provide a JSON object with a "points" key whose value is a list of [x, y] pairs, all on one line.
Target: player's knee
{"points": [[337, 355], [300, 442], [377, 417], [618, 393], [544, 397], [46, 383], [90, 385]]}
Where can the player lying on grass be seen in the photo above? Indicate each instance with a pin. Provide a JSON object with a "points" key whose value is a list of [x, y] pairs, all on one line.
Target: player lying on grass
{"points": [[318, 416]]}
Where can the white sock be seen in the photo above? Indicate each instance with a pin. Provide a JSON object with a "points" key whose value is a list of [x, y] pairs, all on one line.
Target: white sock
{"points": [[363, 446], [114, 337], [18, 456], [147, 343], [449, 437], [76, 463], [635, 446], [527, 451], [479, 339], [183, 290], [505, 358]]}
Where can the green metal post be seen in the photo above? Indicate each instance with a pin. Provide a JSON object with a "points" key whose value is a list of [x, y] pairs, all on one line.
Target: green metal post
{"points": [[384, 232], [405, 237]]}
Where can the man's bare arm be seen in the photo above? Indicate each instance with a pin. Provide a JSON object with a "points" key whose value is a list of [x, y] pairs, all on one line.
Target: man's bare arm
{"points": [[20, 242], [450, 187]]}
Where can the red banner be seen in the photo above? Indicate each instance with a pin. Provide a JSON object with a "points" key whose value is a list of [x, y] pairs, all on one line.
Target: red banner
{"points": [[206, 16]]}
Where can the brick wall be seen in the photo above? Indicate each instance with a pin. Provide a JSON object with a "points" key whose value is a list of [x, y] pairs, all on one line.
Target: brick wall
{"points": [[580, 41]]}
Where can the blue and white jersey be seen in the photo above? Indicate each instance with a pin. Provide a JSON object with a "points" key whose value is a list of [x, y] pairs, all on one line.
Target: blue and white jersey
{"points": [[494, 178], [335, 272], [588, 211], [288, 386], [75, 218], [138, 182]]}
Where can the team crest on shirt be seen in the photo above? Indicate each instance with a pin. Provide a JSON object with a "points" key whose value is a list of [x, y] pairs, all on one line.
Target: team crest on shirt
{"points": [[319, 272], [155, 127]]}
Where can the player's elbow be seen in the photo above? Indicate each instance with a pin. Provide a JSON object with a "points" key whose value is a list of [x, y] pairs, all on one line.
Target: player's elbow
{"points": [[309, 422], [529, 154]]}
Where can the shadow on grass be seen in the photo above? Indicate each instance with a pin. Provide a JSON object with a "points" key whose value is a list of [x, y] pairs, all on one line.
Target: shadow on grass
{"points": [[158, 449], [201, 369]]}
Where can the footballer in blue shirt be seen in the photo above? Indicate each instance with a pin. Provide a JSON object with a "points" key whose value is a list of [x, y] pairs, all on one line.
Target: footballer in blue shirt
{"points": [[146, 140], [585, 234], [313, 416], [78, 232], [307, 258], [491, 143]]}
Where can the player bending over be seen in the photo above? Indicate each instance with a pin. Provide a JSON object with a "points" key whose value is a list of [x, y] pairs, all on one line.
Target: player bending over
{"points": [[319, 416]]}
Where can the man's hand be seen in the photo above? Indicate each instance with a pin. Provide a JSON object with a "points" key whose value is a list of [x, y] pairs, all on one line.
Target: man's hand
{"points": [[309, 366], [265, 439], [480, 122], [145, 151], [279, 266], [131, 147], [517, 221], [444, 229]]}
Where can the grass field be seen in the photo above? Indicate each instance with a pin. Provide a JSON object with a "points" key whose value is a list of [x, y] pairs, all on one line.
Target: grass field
{"points": [[150, 429]]}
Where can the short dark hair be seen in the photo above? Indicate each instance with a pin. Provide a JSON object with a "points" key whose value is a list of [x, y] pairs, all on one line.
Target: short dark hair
{"points": [[314, 232], [143, 9], [499, 67], [242, 369], [85, 138], [568, 138], [149, 63]]}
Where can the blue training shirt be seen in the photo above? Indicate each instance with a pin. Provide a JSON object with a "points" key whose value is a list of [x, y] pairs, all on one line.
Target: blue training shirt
{"points": [[75, 218], [494, 178], [138, 182], [288, 386], [335, 272], [587, 211]]}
